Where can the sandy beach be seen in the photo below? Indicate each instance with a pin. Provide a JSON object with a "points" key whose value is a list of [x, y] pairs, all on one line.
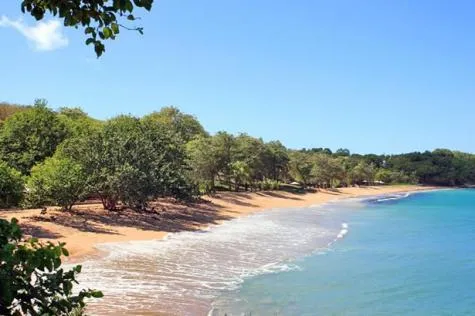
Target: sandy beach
{"points": [[87, 225]]}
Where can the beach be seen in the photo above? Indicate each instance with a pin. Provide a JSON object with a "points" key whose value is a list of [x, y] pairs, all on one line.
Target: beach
{"points": [[89, 225]]}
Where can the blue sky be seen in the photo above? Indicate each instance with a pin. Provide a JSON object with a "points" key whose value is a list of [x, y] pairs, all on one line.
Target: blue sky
{"points": [[371, 76]]}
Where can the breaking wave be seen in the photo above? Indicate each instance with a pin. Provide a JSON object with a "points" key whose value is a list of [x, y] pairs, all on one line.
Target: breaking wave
{"points": [[183, 273]]}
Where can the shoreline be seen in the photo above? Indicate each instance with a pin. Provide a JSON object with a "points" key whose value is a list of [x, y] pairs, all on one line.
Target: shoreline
{"points": [[88, 225]]}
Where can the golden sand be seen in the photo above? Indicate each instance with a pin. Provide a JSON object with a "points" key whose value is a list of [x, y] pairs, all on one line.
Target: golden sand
{"points": [[88, 225]]}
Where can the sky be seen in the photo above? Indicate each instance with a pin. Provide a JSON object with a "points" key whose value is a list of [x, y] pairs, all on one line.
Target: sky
{"points": [[371, 76]]}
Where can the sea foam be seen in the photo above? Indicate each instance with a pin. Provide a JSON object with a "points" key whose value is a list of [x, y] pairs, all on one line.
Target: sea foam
{"points": [[185, 272]]}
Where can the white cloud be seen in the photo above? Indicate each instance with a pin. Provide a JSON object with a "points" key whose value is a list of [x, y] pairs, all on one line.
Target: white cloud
{"points": [[45, 36]]}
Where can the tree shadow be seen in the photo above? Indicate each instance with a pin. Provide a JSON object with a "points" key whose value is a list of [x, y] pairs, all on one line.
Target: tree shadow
{"points": [[236, 199], [38, 232], [68, 219], [276, 194], [168, 218], [333, 191]]}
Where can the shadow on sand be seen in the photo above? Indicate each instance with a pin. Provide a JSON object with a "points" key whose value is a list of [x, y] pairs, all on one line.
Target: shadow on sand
{"points": [[167, 218], [39, 232]]}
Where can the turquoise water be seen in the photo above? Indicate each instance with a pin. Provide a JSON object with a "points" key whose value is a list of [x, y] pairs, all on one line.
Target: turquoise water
{"points": [[408, 256]]}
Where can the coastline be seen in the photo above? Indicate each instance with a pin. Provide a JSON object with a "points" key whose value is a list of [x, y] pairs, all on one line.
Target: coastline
{"points": [[89, 225]]}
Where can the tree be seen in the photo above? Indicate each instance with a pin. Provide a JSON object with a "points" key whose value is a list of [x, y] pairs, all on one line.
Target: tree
{"points": [[33, 281], [327, 170], [276, 160], [185, 126], [342, 152], [241, 173], [29, 136], [11, 186], [131, 161], [224, 144], [251, 152], [362, 173], [77, 122], [203, 161], [56, 181], [100, 19], [384, 175], [464, 165], [301, 166]]}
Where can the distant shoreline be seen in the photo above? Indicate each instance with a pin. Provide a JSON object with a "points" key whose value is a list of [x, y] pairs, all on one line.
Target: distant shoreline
{"points": [[89, 225]]}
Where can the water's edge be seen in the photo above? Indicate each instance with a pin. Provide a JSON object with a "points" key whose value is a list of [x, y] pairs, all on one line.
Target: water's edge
{"points": [[184, 272]]}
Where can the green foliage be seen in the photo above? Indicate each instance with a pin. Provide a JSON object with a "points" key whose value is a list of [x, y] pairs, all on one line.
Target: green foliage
{"points": [[131, 161], [56, 181], [439, 167], [77, 122], [28, 137], [384, 175], [276, 161], [100, 19], [251, 152], [301, 165], [33, 281], [342, 152], [268, 184], [185, 126], [241, 173], [11, 186], [327, 171], [203, 161], [224, 144], [363, 173]]}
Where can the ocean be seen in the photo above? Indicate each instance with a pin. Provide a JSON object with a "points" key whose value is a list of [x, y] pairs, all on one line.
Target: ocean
{"points": [[399, 254]]}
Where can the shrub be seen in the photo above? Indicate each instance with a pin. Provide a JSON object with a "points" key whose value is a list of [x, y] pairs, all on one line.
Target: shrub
{"points": [[11, 186], [56, 181], [33, 282], [269, 184], [275, 185]]}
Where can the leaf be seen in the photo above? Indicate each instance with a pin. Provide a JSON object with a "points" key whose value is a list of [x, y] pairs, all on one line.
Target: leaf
{"points": [[115, 28], [148, 4], [107, 32], [129, 6], [99, 48], [97, 294]]}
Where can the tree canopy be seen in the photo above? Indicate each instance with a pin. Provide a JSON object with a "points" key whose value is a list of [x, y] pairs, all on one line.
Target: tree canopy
{"points": [[11, 186], [60, 157], [28, 137], [184, 126]]}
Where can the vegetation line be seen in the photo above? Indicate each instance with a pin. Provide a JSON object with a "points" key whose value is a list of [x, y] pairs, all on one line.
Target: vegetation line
{"points": [[61, 157]]}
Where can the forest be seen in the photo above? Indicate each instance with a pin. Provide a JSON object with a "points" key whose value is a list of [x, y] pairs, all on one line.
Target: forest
{"points": [[59, 157]]}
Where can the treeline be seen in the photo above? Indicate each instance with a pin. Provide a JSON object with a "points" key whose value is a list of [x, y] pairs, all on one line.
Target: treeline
{"points": [[60, 157]]}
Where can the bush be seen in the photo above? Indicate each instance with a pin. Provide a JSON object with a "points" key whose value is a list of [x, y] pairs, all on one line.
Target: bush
{"points": [[33, 282], [269, 184], [11, 186], [56, 181]]}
